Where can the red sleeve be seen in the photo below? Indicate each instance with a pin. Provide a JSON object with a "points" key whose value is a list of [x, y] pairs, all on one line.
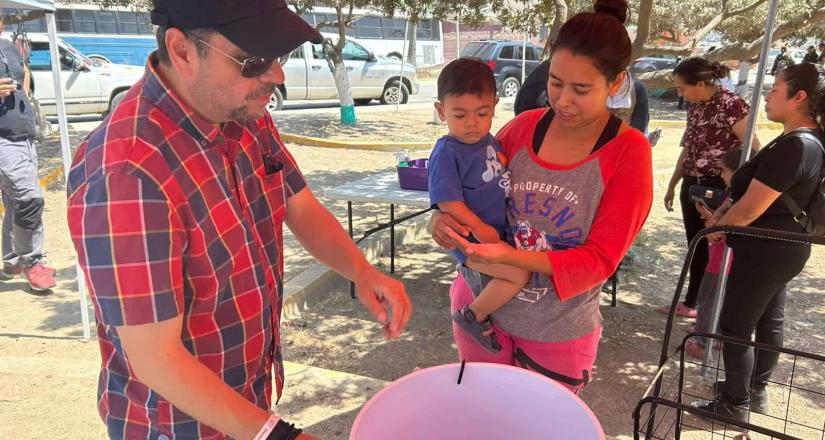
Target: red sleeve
{"points": [[519, 131], [627, 173]]}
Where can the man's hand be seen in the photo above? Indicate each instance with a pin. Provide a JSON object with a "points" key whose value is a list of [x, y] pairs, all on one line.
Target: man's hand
{"points": [[386, 299], [7, 87], [488, 253]]}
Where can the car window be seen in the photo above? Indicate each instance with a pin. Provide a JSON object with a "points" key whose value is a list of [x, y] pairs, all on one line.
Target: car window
{"points": [[478, 49], [318, 52], [533, 54], [506, 53], [354, 52], [297, 53], [41, 58]]}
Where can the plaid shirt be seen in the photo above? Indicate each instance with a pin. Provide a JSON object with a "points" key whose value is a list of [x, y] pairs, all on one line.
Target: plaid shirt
{"points": [[173, 215]]}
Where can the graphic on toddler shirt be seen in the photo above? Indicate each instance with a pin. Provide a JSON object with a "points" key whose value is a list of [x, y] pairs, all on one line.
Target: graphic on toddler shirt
{"points": [[496, 168]]}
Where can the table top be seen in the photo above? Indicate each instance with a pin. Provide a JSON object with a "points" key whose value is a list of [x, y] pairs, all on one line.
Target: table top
{"points": [[379, 188]]}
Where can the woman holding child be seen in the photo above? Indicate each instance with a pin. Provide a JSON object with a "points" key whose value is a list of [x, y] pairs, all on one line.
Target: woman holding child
{"points": [[580, 188]]}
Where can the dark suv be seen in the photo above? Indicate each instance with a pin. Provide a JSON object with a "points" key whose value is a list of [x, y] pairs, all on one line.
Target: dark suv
{"points": [[505, 58]]}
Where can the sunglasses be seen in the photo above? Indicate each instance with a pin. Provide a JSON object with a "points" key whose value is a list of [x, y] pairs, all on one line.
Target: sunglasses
{"points": [[251, 67]]}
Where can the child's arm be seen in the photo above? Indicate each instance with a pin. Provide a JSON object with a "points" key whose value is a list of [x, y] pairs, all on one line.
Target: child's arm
{"points": [[483, 232]]}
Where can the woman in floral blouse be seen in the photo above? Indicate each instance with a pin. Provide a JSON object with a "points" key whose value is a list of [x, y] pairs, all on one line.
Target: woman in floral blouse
{"points": [[716, 123]]}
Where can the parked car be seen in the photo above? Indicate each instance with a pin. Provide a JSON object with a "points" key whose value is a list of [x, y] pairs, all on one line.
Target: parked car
{"points": [[90, 87], [653, 63], [505, 58], [308, 76]]}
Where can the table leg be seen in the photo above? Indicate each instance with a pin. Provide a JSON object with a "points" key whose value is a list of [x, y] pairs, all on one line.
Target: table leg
{"points": [[349, 224], [392, 238]]}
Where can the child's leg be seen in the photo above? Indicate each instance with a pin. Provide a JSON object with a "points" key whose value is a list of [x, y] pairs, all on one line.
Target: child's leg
{"points": [[506, 283], [469, 348]]}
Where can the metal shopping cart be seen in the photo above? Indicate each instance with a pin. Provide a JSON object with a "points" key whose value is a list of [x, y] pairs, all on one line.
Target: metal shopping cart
{"points": [[797, 388]]}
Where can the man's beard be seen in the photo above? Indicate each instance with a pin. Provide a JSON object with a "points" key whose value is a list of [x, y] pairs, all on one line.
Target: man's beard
{"points": [[243, 114]]}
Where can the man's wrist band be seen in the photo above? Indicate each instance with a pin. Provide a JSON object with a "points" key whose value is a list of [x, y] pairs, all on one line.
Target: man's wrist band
{"points": [[284, 431], [270, 424]]}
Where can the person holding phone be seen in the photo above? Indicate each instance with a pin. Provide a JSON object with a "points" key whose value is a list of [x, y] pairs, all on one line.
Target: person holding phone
{"points": [[23, 232]]}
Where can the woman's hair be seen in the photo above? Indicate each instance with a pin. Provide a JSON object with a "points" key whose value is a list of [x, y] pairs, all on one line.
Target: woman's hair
{"points": [[599, 35], [697, 69], [809, 78], [730, 160]]}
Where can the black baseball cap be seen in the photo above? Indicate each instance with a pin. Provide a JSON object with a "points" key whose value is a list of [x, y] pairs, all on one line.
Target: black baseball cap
{"points": [[264, 28]]}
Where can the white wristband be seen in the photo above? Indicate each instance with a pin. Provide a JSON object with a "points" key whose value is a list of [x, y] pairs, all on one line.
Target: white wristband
{"points": [[268, 427]]}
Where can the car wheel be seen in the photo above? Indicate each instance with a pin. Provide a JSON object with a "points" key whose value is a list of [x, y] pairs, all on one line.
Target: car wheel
{"points": [[116, 100], [393, 92], [100, 58], [395, 55], [362, 101], [44, 127], [510, 87], [276, 101]]}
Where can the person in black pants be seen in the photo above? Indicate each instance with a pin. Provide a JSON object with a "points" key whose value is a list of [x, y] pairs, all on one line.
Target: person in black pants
{"points": [[717, 120], [754, 301]]}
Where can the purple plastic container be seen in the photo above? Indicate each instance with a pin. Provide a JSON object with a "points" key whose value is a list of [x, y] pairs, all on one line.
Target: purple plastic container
{"points": [[414, 176]]}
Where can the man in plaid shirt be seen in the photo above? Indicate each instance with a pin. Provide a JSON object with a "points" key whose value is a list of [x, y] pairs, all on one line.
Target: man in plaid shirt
{"points": [[176, 205]]}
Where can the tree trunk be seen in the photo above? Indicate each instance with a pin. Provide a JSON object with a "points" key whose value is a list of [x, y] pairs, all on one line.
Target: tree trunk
{"points": [[642, 27], [339, 74], [742, 88], [559, 18], [413, 40]]}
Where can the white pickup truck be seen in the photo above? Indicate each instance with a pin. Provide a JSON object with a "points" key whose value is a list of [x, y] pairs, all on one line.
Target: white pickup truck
{"points": [[90, 86], [308, 76]]}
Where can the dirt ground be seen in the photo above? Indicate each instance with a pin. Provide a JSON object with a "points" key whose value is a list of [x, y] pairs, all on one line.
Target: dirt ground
{"points": [[48, 377]]}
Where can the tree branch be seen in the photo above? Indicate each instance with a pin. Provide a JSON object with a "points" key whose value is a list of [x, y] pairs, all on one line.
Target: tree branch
{"points": [[744, 10], [740, 51]]}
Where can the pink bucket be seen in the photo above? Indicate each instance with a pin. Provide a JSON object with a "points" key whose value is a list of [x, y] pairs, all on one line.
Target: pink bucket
{"points": [[493, 401]]}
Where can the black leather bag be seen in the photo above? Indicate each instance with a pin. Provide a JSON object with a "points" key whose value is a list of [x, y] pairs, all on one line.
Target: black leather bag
{"points": [[708, 196]]}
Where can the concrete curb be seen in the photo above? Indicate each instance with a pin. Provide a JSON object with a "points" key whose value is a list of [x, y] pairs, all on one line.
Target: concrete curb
{"points": [[354, 145], [398, 146], [301, 292], [46, 181]]}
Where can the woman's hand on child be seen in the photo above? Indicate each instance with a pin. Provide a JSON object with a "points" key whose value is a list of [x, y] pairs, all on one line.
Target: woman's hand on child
{"points": [[488, 253], [440, 222]]}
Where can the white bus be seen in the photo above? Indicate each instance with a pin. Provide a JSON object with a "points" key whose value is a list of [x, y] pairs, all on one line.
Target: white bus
{"points": [[125, 36], [384, 36]]}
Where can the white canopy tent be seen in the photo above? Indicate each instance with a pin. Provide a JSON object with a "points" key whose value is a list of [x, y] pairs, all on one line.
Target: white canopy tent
{"points": [[48, 7]]}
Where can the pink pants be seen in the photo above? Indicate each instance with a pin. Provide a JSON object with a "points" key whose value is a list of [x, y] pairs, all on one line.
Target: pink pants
{"points": [[567, 362]]}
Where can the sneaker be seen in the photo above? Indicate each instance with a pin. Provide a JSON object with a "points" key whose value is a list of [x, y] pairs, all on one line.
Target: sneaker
{"points": [[681, 310], [10, 271], [759, 397], [40, 277], [723, 407], [466, 320]]}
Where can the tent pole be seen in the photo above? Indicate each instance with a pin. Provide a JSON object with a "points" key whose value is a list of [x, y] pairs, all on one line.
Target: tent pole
{"points": [[756, 97], [65, 147]]}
